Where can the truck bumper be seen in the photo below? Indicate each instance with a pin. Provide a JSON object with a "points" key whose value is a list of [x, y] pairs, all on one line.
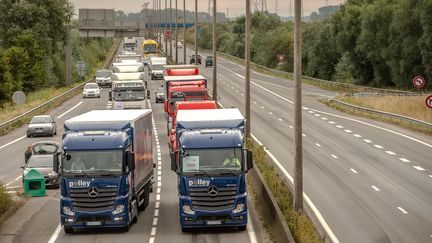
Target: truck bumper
{"points": [[86, 220], [220, 218]]}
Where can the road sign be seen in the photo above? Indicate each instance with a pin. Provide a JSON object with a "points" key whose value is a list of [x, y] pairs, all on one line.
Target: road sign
{"points": [[18, 97], [419, 82], [428, 101], [81, 68]]}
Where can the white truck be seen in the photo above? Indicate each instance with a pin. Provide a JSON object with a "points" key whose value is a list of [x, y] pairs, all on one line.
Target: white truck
{"points": [[103, 77], [156, 67], [129, 43], [129, 94]]}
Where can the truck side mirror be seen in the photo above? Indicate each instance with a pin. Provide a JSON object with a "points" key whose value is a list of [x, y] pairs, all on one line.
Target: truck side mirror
{"points": [[56, 163], [173, 161], [166, 106], [148, 94], [249, 160], [110, 95]]}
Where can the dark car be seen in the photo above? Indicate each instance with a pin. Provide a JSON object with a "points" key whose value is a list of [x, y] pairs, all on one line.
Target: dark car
{"points": [[160, 95], [192, 59], [42, 126], [45, 159], [209, 61]]}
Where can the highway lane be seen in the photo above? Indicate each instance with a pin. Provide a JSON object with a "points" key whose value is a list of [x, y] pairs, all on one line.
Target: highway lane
{"points": [[370, 184], [158, 223]]}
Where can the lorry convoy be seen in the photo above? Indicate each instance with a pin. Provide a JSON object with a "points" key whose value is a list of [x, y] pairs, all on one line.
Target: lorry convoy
{"points": [[107, 168]]}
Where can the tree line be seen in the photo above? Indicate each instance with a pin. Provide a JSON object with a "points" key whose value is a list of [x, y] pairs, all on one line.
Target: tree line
{"points": [[379, 43], [32, 39]]}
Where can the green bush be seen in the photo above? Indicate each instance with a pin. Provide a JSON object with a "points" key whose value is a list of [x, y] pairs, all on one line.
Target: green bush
{"points": [[5, 200]]}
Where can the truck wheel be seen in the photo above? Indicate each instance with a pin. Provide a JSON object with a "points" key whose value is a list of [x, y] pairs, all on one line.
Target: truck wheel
{"points": [[241, 228], [68, 230]]}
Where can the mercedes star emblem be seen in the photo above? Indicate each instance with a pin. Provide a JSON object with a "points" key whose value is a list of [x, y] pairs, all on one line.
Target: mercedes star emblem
{"points": [[212, 191], [93, 192]]}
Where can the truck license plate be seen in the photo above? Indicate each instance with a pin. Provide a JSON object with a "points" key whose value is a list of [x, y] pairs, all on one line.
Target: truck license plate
{"points": [[96, 223], [214, 222]]}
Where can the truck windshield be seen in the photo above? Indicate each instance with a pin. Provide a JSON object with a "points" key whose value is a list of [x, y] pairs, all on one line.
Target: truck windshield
{"points": [[157, 67], [103, 74], [150, 48], [93, 161], [214, 161], [131, 95]]}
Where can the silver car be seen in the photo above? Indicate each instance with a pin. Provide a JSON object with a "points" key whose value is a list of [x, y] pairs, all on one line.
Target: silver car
{"points": [[43, 125]]}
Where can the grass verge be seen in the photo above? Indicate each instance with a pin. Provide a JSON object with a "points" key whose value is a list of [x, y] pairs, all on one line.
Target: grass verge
{"points": [[301, 227], [378, 118], [8, 206]]}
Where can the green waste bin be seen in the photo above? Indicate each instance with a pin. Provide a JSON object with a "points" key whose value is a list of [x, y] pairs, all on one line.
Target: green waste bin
{"points": [[34, 184]]}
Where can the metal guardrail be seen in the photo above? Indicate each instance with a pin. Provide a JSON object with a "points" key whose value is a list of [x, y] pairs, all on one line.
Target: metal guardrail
{"points": [[60, 97], [382, 114], [383, 94]]}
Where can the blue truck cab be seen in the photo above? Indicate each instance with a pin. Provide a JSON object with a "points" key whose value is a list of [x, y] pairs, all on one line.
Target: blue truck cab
{"points": [[107, 168], [211, 165]]}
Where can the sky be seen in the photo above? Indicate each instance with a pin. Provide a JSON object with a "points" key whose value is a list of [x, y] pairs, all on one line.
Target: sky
{"points": [[232, 7]]}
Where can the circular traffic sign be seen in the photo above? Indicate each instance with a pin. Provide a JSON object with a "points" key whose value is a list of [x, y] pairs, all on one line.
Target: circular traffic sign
{"points": [[18, 97], [428, 101], [419, 82]]}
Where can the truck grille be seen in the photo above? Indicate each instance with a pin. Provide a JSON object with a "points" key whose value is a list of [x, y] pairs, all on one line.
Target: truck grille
{"points": [[104, 200], [223, 200]]}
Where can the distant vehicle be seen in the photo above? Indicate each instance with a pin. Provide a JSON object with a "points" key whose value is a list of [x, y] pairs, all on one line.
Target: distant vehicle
{"points": [[43, 125], [91, 90], [45, 160], [156, 67], [150, 48], [209, 61], [179, 44], [103, 77], [160, 95], [192, 59], [129, 44]]}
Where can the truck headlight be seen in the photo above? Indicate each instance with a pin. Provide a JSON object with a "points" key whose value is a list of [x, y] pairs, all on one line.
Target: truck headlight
{"points": [[68, 211], [188, 210], [52, 174], [239, 208], [119, 209]]}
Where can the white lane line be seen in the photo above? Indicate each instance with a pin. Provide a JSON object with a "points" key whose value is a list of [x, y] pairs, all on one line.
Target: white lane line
{"points": [[157, 204], [404, 160], [367, 140], [12, 142], [262, 107], [155, 221], [71, 109], [311, 112], [291, 127], [402, 210], [156, 212], [430, 176], [11, 192], [270, 113], [153, 231], [11, 187], [317, 115], [323, 118], [158, 190], [304, 135], [242, 94], [419, 168], [159, 172], [159, 184], [55, 235], [334, 156], [390, 152], [318, 145], [280, 119], [339, 126], [151, 240], [353, 171], [348, 131], [251, 232], [357, 135], [315, 210], [158, 197], [378, 146], [7, 184], [331, 122], [19, 177], [375, 188], [255, 102]]}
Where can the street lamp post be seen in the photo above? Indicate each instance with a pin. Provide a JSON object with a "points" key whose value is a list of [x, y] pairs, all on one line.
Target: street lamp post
{"points": [[171, 32], [196, 32], [247, 66], [166, 20], [176, 38], [215, 94], [184, 31]]}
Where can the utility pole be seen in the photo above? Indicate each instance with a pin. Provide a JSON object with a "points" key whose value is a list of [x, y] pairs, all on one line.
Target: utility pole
{"points": [[176, 38], [171, 30], [215, 94], [68, 61], [276, 7], [227, 16], [247, 65], [184, 32], [165, 25], [196, 32], [298, 143]]}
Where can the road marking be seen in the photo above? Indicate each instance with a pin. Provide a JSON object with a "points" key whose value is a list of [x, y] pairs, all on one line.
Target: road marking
{"points": [[323, 118], [7, 184], [19, 177], [159, 172], [291, 126], [11, 192], [315, 210], [55, 235], [262, 107], [317, 115], [251, 233], [304, 135], [378, 146], [390, 152], [367, 140], [357, 135], [153, 231], [311, 112], [331, 122], [255, 102], [348, 131], [318, 145], [334, 156], [14, 141], [159, 184], [270, 113], [11, 187], [404, 160], [353, 171], [375, 188], [242, 94], [155, 221], [430, 176], [71, 109], [157, 204], [280, 119], [419, 168], [158, 197], [156, 212], [402, 210], [339, 126]]}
